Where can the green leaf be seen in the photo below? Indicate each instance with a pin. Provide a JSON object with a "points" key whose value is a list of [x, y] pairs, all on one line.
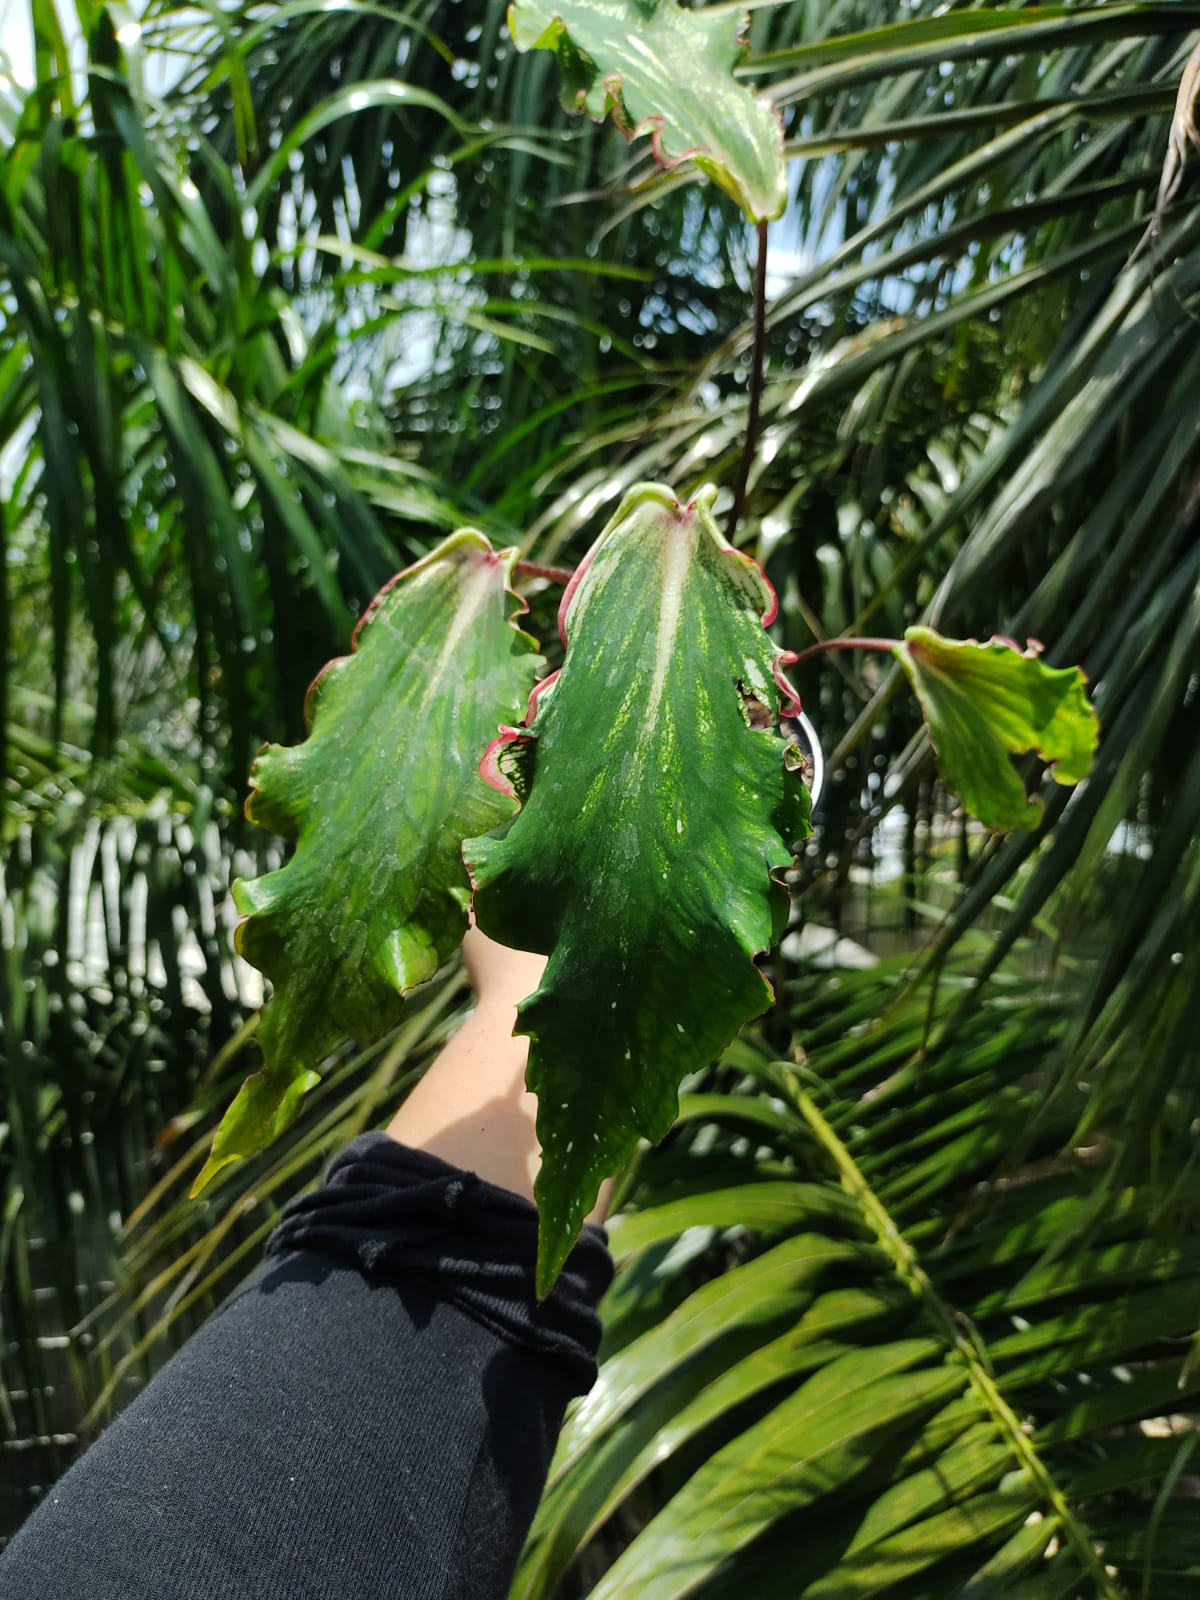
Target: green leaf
{"points": [[985, 701], [661, 69], [780, 1285], [880, 1568], [686, 1396], [816, 1441], [377, 800], [645, 860], [765, 1209]]}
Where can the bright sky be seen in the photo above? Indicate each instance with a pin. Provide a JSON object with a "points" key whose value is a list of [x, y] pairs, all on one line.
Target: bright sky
{"points": [[16, 40]]}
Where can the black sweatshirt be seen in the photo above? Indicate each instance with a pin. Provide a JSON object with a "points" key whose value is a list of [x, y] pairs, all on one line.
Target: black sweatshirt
{"points": [[371, 1416]]}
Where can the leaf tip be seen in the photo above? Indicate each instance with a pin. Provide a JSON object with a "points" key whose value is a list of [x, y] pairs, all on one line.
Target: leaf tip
{"points": [[558, 1231], [208, 1172]]}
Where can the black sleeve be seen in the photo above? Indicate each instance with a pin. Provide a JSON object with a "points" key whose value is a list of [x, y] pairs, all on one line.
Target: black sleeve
{"points": [[371, 1416]]}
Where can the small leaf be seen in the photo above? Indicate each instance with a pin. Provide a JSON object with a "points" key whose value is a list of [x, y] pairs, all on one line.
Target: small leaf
{"points": [[984, 702], [662, 69], [645, 861], [377, 800]]}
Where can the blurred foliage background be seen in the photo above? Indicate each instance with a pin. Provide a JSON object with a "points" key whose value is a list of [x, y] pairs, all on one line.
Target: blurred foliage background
{"points": [[908, 1301]]}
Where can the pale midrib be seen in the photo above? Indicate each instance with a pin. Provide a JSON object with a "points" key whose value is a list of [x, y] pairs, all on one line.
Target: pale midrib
{"points": [[470, 607], [477, 592], [677, 561]]}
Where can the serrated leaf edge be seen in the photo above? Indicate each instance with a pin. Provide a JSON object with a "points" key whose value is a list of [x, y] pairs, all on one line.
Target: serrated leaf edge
{"points": [[296, 1087]]}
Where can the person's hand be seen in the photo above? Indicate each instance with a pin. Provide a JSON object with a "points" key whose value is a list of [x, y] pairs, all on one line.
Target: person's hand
{"points": [[500, 976]]}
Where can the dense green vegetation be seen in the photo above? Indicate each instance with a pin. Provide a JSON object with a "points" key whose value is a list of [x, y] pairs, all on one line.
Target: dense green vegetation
{"points": [[290, 291]]}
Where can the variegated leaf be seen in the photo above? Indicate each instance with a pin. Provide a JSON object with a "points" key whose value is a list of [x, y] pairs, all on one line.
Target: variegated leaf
{"points": [[662, 806], [664, 69], [377, 800]]}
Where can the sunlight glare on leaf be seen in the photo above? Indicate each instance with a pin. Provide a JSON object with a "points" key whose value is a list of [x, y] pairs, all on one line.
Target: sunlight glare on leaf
{"points": [[661, 69]]}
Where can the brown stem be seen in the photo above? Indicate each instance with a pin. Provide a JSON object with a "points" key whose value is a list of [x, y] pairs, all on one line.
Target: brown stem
{"points": [[532, 569], [824, 645], [757, 368]]}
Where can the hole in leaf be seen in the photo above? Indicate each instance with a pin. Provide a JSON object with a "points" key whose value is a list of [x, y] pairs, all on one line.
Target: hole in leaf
{"points": [[757, 714]]}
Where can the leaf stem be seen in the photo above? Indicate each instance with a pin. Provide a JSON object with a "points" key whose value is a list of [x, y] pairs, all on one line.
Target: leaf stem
{"points": [[757, 367], [822, 646], [534, 569], [907, 1265]]}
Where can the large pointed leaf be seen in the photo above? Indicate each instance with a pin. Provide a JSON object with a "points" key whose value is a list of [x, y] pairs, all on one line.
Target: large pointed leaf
{"points": [[377, 800], [985, 701], [662, 804], [668, 71]]}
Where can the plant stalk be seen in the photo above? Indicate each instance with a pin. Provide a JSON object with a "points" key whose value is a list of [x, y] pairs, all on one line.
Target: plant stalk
{"points": [[823, 646], [757, 369], [533, 569]]}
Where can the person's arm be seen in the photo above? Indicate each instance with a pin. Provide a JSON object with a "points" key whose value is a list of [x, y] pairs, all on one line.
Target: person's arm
{"points": [[374, 1414], [472, 1107]]}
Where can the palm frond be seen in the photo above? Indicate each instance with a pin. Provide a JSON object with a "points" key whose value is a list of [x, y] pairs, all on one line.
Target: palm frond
{"points": [[841, 1360]]}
